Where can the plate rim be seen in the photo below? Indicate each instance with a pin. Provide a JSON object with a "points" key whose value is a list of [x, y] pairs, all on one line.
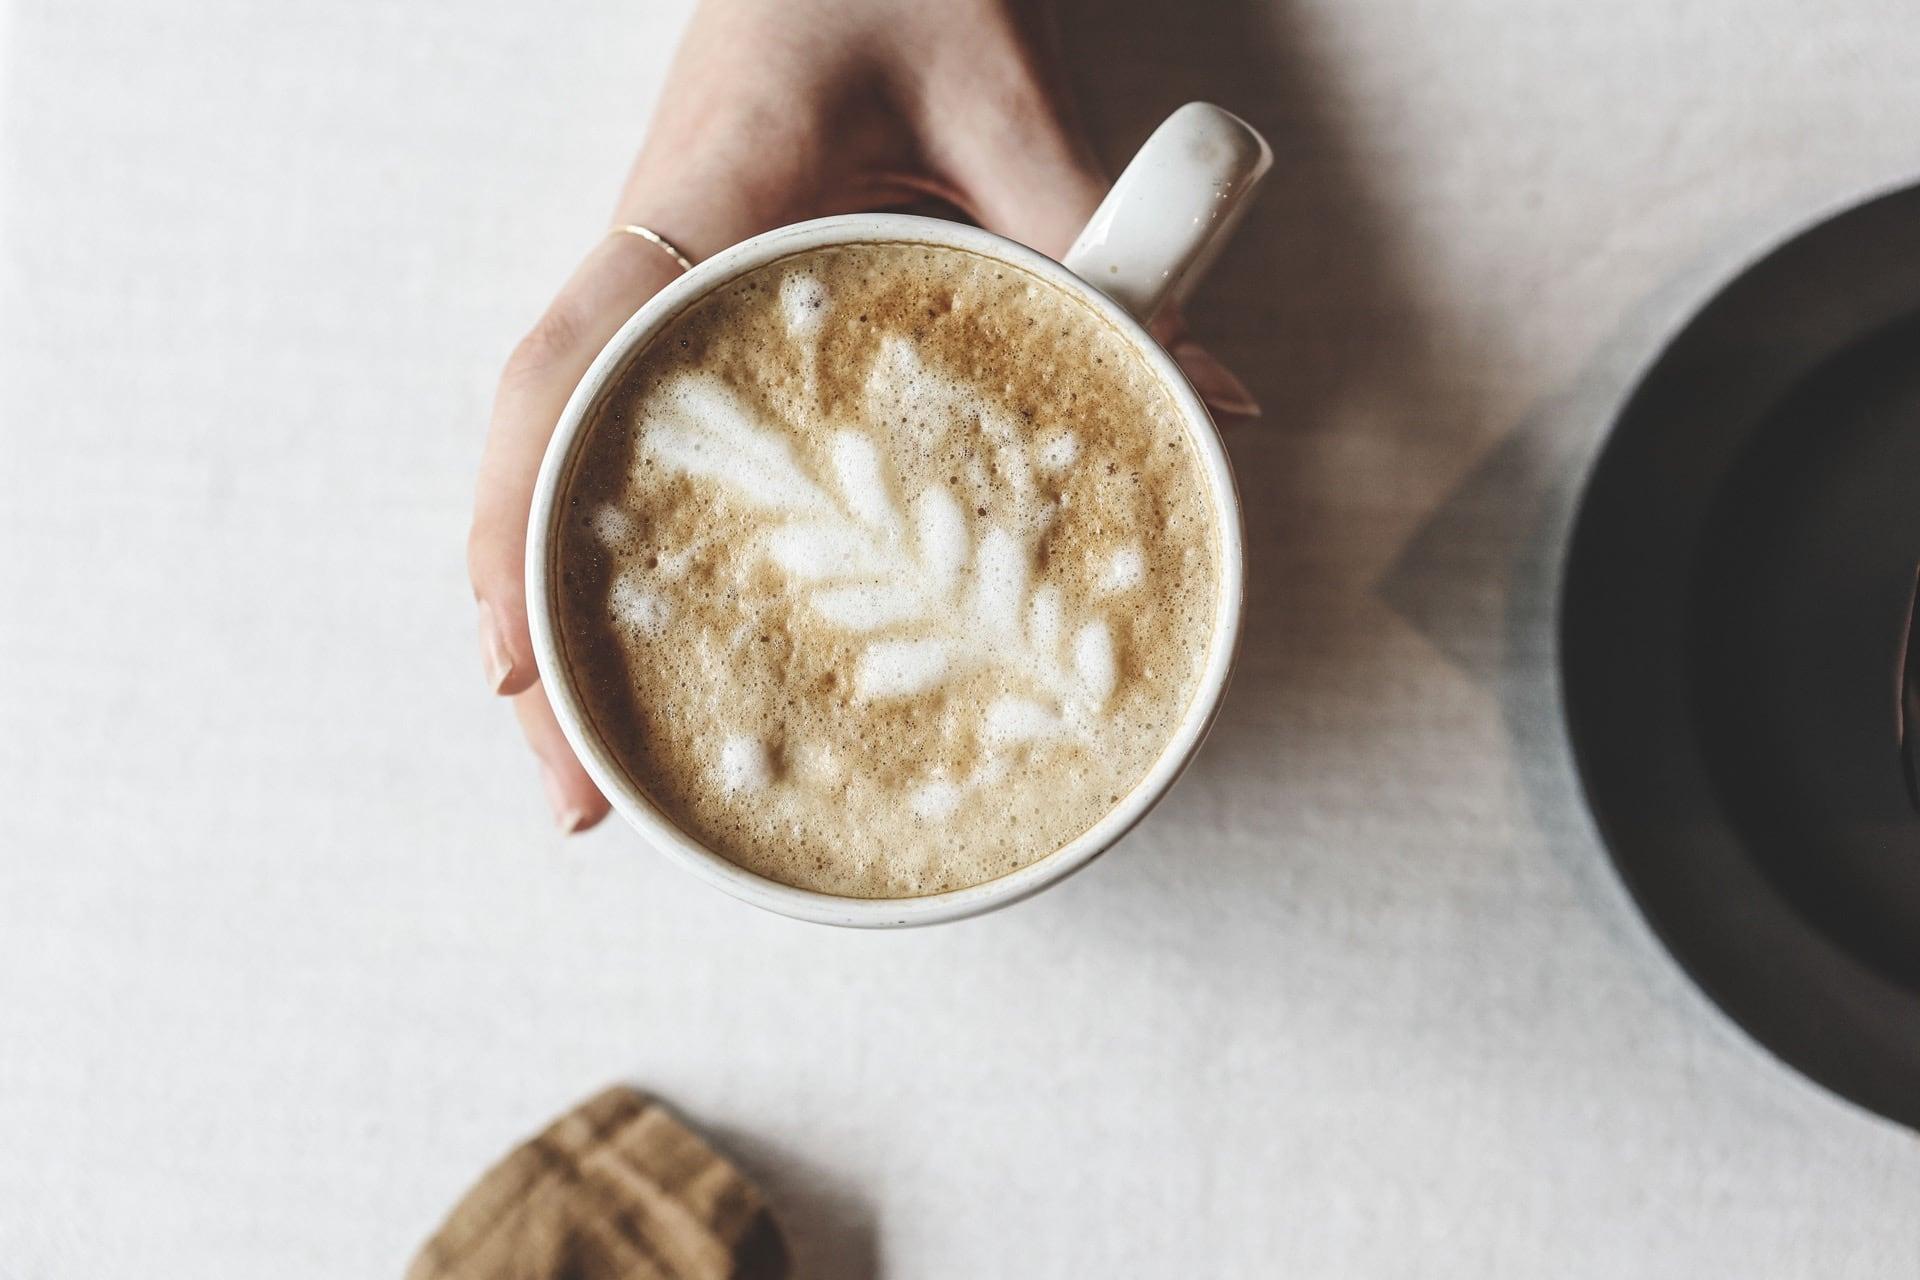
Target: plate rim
{"points": [[1792, 1038]]}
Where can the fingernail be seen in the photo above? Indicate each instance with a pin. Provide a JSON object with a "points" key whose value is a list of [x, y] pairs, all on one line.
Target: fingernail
{"points": [[493, 648], [1217, 385], [567, 815]]}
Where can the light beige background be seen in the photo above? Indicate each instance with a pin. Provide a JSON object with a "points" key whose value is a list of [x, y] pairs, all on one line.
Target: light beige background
{"points": [[288, 951]]}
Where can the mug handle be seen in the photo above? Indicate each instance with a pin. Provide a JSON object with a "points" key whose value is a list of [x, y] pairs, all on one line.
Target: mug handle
{"points": [[1172, 210]]}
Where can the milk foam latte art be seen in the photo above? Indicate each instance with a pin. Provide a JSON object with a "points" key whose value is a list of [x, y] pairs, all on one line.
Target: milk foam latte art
{"points": [[886, 569]]}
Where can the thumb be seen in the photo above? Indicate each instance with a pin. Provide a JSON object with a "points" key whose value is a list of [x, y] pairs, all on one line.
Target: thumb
{"points": [[1035, 183], [1005, 137], [1041, 194], [1029, 174]]}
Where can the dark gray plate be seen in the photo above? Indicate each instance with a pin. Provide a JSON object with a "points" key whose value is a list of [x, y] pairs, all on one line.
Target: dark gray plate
{"points": [[1733, 630]]}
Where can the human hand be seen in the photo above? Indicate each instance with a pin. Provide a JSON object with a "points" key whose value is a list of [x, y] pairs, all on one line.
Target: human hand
{"points": [[776, 111]]}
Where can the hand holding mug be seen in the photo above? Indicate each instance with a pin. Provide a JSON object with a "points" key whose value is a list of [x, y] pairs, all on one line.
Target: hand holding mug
{"points": [[777, 111]]}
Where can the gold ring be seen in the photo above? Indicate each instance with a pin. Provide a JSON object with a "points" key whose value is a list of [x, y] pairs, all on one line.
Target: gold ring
{"points": [[655, 238]]}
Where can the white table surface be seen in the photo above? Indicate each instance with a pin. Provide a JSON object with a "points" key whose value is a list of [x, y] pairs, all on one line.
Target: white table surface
{"points": [[288, 950]]}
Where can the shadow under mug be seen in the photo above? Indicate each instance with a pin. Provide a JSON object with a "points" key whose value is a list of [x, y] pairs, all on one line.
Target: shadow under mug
{"points": [[1157, 230]]}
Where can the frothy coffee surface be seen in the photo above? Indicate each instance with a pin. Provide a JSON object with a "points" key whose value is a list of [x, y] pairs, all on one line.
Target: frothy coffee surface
{"points": [[887, 569]]}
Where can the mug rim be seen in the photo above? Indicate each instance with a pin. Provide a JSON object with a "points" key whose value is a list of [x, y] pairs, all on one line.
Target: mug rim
{"points": [[630, 800]]}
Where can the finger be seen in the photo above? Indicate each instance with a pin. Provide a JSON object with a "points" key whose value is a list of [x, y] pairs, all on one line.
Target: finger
{"points": [[1217, 385], [1001, 128], [622, 272], [576, 803]]}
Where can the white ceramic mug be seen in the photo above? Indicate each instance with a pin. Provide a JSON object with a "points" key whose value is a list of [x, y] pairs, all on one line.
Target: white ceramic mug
{"points": [[1152, 236]]}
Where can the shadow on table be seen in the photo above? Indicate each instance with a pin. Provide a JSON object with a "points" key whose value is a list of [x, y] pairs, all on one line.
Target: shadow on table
{"points": [[1316, 305], [1319, 305], [1480, 581], [828, 1224], [1504, 528]]}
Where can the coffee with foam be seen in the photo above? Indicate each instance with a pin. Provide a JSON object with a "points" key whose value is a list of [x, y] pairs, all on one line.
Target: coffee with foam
{"points": [[887, 569]]}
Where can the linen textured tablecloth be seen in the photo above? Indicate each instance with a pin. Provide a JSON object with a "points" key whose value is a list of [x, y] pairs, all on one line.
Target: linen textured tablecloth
{"points": [[289, 953]]}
